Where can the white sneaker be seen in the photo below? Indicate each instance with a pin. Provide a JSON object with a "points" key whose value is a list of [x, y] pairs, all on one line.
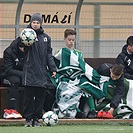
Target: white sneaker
{"points": [[16, 114], [7, 114]]}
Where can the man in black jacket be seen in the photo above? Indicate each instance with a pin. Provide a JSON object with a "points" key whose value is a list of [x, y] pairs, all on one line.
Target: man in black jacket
{"points": [[115, 72], [125, 58], [13, 58], [39, 62]]}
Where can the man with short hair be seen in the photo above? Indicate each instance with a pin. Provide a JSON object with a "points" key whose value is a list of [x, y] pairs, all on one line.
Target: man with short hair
{"points": [[115, 72], [75, 78], [125, 58]]}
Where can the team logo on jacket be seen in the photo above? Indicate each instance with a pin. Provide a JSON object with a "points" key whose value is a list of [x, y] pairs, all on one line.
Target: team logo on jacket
{"points": [[36, 39], [45, 39], [17, 61], [129, 62]]}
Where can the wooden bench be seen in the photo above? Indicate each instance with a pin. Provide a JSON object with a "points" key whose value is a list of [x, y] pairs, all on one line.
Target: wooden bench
{"points": [[94, 62]]}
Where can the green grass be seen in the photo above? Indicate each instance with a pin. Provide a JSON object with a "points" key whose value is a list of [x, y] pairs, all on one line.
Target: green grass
{"points": [[69, 128]]}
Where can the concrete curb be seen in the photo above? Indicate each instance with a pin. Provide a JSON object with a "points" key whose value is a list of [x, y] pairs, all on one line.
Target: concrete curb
{"points": [[72, 121]]}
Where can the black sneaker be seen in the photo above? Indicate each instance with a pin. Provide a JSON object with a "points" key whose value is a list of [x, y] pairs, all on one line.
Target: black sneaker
{"points": [[28, 123], [36, 123], [81, 115], [92, 114]]}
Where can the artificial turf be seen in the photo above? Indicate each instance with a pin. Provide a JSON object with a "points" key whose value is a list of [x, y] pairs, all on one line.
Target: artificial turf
{"points": [[69, 128]]}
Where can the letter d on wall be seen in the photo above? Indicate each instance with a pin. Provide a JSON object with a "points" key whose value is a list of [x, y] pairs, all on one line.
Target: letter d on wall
{"points": [[27, 18]]}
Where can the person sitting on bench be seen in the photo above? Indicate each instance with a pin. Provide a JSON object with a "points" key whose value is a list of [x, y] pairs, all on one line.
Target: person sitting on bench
{"points": [[13, 62]]}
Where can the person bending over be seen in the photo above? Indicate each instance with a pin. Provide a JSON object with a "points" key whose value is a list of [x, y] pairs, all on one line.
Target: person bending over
{"points": [[115, 72]]}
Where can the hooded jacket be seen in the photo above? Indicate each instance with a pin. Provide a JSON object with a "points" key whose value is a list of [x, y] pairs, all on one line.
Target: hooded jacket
{"points": [[104, 70], [39, 61], [127, 61]]}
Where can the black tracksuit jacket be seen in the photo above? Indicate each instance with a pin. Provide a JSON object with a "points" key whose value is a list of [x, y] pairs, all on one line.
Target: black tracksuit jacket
{"points": [[39, 61], [127, 61], [13, 59]]}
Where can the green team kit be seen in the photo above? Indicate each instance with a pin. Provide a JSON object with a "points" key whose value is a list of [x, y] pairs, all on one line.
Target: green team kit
{"points": [[75, 78]]}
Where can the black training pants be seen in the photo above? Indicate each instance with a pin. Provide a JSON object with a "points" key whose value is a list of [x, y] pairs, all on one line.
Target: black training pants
{"points": [[33, 102], [14, 83]]}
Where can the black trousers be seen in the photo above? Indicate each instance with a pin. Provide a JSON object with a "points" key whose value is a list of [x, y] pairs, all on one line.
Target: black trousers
{"points": [[33, 102], [14, 83], [49, 99]]}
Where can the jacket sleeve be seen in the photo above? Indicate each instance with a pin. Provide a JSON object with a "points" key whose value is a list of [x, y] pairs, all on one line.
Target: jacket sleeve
{"points": [[50, 59], [120, 60], [119, 92], [128, 76], [9, 65]]}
